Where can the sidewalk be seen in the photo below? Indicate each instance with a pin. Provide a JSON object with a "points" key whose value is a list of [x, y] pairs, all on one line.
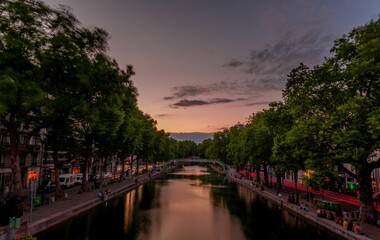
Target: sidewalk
{"points": [[371, 231], [46, 216]]}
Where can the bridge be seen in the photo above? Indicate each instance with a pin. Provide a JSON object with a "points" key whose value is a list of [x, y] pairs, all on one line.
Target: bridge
{"points": [[196, 161]]}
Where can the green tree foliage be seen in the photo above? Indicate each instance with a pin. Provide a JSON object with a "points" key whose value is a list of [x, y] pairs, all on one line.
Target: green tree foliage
{"points": [[202, 148], [55, 74], [186, 149], [342, 94], [22, 38]]}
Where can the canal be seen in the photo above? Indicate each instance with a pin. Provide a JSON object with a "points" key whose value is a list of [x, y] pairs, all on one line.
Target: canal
{"points": [[191, 203]]}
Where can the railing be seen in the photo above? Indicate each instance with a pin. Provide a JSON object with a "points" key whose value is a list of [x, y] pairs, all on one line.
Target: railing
{"points": [[196, 160]]}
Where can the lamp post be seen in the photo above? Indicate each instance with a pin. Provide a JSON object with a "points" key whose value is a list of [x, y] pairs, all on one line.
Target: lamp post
{"points": [[32, 196]]}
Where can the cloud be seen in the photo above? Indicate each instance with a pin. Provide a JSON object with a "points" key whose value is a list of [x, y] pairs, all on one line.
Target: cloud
{"points": [[188, 103], [269, 66], [234, 63], [258, 103], [162, 115], [222, 87], [191, 103], [188, 91]]}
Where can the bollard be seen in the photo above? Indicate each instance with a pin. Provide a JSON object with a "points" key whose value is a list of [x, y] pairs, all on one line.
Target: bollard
{"points": [[66, 195]]}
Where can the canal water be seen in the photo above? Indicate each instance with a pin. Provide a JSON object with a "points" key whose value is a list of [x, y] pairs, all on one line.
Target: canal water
{"points": [[192, 203]]}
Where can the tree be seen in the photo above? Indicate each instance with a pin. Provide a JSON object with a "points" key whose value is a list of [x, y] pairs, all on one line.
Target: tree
{"points": [[343, 93], [202, 148], [235, 147], [25, 29], [64, 68]]}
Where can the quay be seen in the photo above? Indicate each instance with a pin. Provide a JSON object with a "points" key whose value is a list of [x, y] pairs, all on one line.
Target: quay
{"points": [[54, 213], [371, 231]]}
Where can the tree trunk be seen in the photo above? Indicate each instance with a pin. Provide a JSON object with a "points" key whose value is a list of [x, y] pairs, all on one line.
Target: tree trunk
{"points": [[15, 162], [85, 172], [58, 190], [266, 174], [296, 185], [367, 208], [258, 175], [122, 159], [137, 165], [279, 183], [88, 152]]}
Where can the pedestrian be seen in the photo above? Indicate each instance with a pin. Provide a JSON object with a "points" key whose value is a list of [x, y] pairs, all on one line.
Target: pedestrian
{"points": [[357, 228], [100, 195], [345, 223], [350, 225], [306, 207], [319, 213], [105, 194], [345, 216], [339, 215], [323, 215], [331, 216]]}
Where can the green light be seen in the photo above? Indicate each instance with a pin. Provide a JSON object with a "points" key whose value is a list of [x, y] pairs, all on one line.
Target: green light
{"points": [[351, 186]]}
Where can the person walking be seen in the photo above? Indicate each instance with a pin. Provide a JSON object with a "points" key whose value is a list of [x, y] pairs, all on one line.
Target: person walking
{"points": [[350, 225]]}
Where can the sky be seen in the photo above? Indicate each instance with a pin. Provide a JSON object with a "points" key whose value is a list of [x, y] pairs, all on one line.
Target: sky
{"points": [[206, 65]]}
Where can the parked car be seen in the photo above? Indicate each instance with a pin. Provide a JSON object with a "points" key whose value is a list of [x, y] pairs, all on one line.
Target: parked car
{"points": [[67, 180], [79, 178]]}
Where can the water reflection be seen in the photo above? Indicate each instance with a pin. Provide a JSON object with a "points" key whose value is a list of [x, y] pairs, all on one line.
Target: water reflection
{"points": [[192, 203]]}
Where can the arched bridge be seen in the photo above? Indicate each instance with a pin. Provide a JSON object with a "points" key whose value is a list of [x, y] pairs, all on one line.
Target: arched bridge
{"points": [[196, 160]]}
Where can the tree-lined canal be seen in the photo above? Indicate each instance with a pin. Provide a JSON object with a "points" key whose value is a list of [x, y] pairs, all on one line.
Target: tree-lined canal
{"points": [[191, 203]]}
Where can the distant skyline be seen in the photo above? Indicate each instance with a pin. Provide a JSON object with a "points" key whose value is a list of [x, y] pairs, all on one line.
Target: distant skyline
{"points": [[202, 66]]}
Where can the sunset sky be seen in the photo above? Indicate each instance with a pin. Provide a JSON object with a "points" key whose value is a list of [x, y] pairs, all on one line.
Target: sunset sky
{"points": [[205, 65]]}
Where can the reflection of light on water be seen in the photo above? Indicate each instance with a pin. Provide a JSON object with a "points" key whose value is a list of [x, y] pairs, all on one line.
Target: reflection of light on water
{"points": [[129, 209]]}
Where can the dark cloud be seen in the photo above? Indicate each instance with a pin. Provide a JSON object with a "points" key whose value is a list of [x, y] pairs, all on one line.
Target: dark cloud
{"points": [[233, 88], [162, 115], [192, 103], [233, 63], [188, 103], [270, 65], [221, 100], [188, 91], [257, 103]]}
